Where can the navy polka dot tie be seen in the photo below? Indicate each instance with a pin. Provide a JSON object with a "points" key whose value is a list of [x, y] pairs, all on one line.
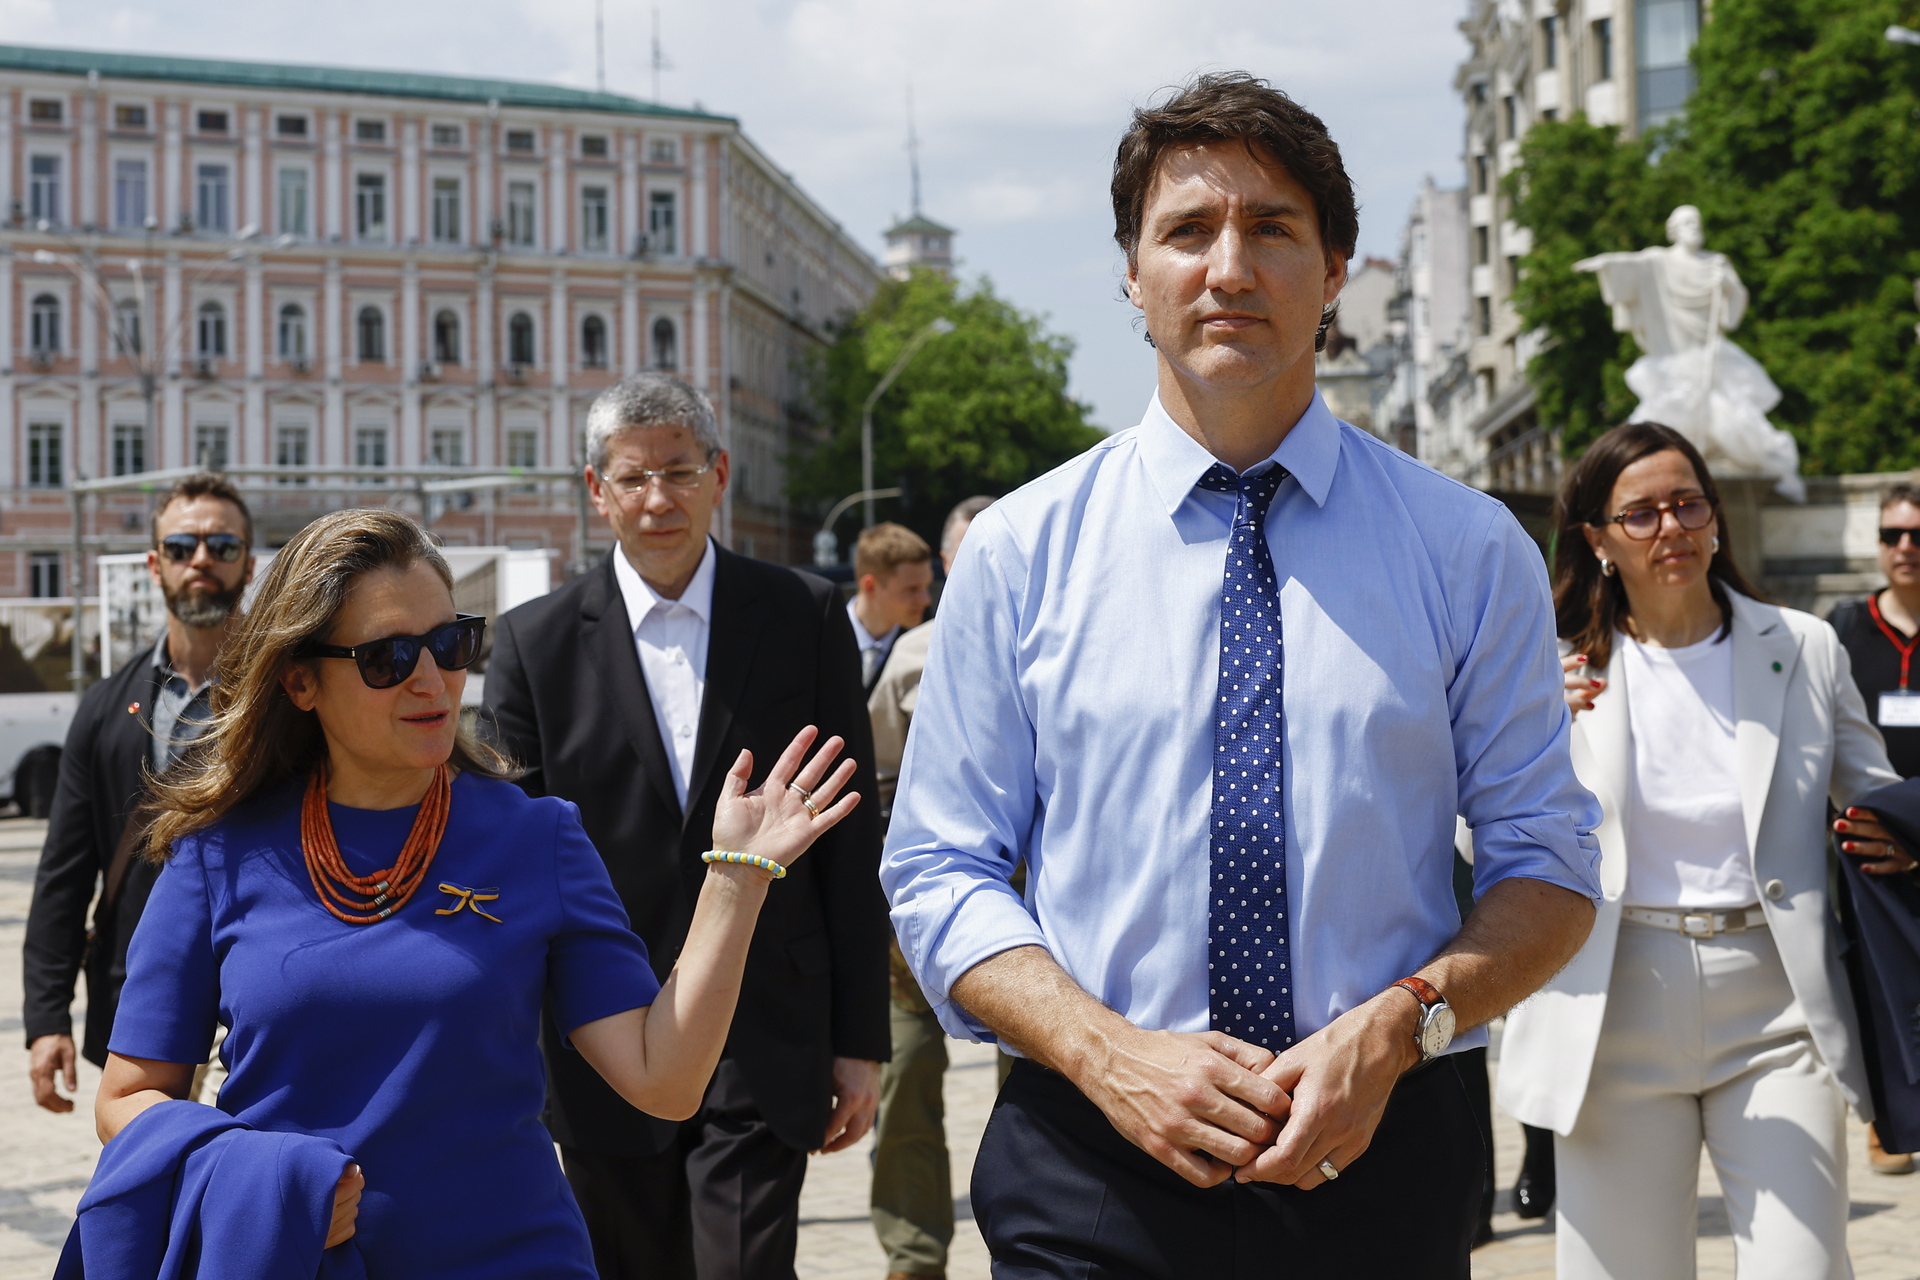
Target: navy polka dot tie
{"points": [[1250, 986]]}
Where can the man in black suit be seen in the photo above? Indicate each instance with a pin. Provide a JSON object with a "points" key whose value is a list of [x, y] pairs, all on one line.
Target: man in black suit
{"points": [[629, 691], [131, 724]]}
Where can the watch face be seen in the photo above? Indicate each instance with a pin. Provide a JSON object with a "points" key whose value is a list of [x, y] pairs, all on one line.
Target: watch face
{"points": [[1436, 1030]]}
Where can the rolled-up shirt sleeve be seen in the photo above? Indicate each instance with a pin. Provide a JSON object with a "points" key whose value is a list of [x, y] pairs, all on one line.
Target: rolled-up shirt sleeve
{"points": [[967, 798], [1530, 816]]}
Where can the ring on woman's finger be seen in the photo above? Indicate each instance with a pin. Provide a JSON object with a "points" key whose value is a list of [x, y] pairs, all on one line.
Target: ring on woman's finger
{"points": [[1327, 1170], [806, 798]]}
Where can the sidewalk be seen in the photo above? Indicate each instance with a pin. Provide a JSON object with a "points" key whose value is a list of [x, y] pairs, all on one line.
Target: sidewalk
{"points": [[45, 1161]]}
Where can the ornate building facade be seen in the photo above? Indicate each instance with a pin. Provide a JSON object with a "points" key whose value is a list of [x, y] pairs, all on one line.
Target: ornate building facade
{"points": [[343, 273]]}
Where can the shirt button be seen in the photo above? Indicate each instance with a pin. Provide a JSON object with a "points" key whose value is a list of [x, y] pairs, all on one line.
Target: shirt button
{"points": [[1775, 890], [686, 731]]}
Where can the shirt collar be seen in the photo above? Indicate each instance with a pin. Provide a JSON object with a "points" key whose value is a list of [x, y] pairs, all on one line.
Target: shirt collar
{"points": [[163, 663], [863, 637], [1175, 461], [641, 599]]}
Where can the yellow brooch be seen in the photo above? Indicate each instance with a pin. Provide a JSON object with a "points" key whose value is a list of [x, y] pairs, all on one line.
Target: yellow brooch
{"points": [[469, 899]]}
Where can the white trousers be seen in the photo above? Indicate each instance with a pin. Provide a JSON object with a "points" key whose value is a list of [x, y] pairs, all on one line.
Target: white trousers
{"points": [[1703, 1041]]}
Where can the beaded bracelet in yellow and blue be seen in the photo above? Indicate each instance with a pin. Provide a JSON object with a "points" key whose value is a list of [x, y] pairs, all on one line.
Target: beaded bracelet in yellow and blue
{"points": [[746, 859]]}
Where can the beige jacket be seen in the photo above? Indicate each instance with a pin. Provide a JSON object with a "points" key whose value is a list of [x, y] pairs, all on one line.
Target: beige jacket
{"points": [[891, 704], [1803, 738]]}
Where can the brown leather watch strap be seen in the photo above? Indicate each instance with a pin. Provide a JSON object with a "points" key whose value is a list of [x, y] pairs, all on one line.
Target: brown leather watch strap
{"points": [[1423, 991]]}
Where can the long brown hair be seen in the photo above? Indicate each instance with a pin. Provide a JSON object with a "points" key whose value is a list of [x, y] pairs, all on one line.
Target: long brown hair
{"points": [[257, 739], [1589, 606]]}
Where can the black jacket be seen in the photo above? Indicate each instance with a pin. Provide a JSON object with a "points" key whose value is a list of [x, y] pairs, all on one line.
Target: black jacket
{"points": [[1881, 917], [103, 771], [569, 702]]}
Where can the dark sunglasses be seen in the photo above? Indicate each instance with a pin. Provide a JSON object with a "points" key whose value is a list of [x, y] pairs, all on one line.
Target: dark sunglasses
{"points": [[1891, 537], [179, 547], [385, 663], [1641, 523]]}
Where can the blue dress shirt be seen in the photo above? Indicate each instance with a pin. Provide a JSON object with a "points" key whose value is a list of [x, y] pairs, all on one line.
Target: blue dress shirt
{"points": [[1065, 721]]}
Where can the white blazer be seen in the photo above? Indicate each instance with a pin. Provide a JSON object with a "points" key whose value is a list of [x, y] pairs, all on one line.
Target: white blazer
{"points": [[1802, 736]]}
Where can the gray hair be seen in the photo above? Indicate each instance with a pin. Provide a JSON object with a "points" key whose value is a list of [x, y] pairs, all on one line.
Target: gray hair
{"points": [[649, 400], [957, 521]]}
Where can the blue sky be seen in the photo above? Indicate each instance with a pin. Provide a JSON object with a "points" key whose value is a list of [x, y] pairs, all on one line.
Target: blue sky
{"points": [[1019, 102]]}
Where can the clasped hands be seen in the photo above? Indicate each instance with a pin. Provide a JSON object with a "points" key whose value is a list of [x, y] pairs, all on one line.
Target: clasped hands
{"points": [[1211, 1107]]}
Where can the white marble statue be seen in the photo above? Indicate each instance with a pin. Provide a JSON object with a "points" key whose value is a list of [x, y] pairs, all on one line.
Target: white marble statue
{"points": [[1678, 302]]}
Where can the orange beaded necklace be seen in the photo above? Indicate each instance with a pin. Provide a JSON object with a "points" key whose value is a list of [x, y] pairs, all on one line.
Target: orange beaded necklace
{"points": [[384, 892]]}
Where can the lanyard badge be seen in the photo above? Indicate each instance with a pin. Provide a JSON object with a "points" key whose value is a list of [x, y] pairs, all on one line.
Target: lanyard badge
{"points": [[1899, 709]]}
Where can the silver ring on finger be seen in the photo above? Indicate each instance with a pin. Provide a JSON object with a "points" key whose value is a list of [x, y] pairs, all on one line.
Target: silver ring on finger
{"points": [[806, 798], [1327, 1170]]}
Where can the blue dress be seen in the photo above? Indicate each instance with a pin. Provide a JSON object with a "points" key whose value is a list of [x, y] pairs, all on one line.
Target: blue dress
{"points": [[414, 1042]]}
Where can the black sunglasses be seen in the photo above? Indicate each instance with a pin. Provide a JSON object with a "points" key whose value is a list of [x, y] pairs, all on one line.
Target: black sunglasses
{"points": [[385, 663], [1891, 537], [179, 547]]}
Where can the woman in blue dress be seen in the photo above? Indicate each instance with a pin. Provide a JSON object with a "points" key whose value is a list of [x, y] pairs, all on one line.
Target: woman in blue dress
{"points": [[377, 915]]}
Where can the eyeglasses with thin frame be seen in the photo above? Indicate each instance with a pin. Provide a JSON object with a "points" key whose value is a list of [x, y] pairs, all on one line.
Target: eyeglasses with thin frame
{"points": [[1890, 537], [180, 547], [1642, 523], [683, 478], [386, 662]]}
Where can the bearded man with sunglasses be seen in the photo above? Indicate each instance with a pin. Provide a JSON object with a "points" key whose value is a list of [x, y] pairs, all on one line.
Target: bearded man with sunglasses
{"points": [[128, 727]]}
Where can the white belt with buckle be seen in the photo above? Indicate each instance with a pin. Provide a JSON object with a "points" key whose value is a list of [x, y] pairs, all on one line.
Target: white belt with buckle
{"points": [[1699, 924]]}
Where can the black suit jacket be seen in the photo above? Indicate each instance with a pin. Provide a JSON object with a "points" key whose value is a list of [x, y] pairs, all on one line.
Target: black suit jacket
{"points": [[569, 703], [103, 772]]}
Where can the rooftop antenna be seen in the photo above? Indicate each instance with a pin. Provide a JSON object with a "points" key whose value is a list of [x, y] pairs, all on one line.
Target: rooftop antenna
{"points": [[600, 44], [659, 60], [913, 151]]}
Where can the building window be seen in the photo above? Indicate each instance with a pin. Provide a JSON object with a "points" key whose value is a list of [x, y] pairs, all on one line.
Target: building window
{"points": [[370, 131], [523, 449], [129, 449], [1483, 315], [449, 446], [1663, 36], [45, 111], [129, 194], [211, 121], [293, 202], [212, 331], [1513, 272], [666, 345], [449, 135], [594, 146], [370, 206], [1550, 42], [593, 219], [520, 141], [1481, 167], [126, 330], [43, 575], [1482, 244], [593, 343], [1603, 49], [520, 213], [293, 332], [290, 450], [371, 328], [1550, 114], [446, 210], [130, 116], [664, 151], [290, 126], [43, 188], [1510, 113], [520, 339], [210, 448], [662, 235], [210, 197], [370, 447], [46, 443], [44, 325], [446, 337]]}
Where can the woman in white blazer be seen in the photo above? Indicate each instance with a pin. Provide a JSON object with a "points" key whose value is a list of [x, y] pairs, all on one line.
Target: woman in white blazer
{"points": [[1709, 1004]]}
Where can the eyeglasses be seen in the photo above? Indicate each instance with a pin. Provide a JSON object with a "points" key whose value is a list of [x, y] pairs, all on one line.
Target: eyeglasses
{"points": [[1891, 537], [1641, 523], [180, 547], [385, 663], [683, 479]]}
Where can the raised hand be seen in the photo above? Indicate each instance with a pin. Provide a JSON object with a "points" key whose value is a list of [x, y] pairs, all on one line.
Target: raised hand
{"points": [[774, 820]]}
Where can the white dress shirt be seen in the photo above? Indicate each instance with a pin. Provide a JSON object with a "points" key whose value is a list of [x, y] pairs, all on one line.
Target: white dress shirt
{"points": [[670, 636], [1065, 721], [873, 649]]}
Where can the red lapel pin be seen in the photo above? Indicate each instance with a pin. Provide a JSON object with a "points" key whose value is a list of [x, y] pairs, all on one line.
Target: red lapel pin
{"points": [[133, 708]]}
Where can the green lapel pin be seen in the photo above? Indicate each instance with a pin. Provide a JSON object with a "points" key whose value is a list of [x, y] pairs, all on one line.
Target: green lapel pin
{"points": [[1776, 666]]}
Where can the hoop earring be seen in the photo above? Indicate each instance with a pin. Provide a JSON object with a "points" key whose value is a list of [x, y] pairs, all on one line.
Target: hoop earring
{"points": [[1607, 568]]}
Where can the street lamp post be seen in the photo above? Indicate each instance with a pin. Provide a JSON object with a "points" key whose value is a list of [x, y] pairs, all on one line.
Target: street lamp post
{"points": [[933, 329]]}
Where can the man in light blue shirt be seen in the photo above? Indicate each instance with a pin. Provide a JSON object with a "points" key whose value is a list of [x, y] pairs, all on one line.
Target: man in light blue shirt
{"points": [[1219, 838]]}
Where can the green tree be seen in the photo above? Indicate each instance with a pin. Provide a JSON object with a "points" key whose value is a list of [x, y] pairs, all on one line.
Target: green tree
{"points": [[1801, 147], [983, 409]]}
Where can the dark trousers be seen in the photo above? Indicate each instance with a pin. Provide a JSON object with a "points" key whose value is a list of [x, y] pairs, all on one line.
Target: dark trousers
{"points": [[721, 1203], [1058, 1193]]}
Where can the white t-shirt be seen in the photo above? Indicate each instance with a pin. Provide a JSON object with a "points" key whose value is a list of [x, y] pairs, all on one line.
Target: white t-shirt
{"points": [[1686, 834]]}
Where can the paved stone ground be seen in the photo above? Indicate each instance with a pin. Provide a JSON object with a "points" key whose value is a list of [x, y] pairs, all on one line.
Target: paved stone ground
{"points": [[45, 1161]]}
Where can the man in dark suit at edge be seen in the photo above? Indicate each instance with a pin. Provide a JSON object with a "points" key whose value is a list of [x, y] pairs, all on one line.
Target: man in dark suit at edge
{"points": [[629, 691]]}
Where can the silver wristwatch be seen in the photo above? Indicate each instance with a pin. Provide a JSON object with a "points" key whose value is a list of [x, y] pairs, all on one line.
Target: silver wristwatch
{"points": [[1435, 1031]]}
